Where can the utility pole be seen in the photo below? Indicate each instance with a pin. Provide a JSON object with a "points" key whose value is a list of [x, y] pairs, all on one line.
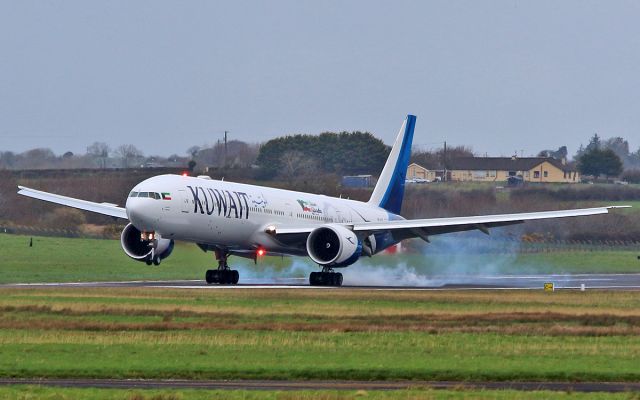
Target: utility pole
{"points": [[444, 162], [225, 148]]}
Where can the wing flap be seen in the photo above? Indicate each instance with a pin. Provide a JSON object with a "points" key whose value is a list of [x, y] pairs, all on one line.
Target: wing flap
{"points": [[101, 208]]}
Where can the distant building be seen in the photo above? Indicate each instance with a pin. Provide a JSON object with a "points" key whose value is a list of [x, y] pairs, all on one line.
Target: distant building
{"points": [[358, 181], [499, 169], [415, 171]]}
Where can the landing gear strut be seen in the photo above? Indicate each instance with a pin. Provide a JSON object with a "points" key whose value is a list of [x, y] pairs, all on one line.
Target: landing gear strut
{"points": [[223, 275], [325, 278]]}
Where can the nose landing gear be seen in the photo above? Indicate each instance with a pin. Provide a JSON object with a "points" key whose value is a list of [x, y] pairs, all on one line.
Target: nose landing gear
{"points": [[325, 278], [223, 275]]}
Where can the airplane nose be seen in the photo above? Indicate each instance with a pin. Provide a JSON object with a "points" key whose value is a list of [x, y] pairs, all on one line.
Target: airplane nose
{"points": [[142, 214]]}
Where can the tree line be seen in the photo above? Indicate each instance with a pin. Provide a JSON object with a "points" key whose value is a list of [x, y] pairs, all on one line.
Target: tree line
{"points": [[97, 155], [299, 157]]}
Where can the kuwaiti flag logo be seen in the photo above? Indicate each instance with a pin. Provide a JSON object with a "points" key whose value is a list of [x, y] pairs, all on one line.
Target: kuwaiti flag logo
{"points": [[166, 196]]}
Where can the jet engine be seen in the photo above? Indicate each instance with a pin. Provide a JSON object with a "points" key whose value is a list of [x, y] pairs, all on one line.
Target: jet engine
{"points": [[333, 246], [147, 250]]}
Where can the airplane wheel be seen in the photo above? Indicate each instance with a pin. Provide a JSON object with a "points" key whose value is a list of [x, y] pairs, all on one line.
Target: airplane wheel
{"points": [[235, 277], [337, 279], [314, 279], [156, 261], [148, 261], [211, 276]]}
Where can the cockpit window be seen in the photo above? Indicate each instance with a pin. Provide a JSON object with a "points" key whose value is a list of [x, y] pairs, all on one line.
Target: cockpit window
{"points": [[151, 195]]}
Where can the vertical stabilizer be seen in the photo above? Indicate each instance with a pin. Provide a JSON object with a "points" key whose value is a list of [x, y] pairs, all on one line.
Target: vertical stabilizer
{"points": [[389, 190]]}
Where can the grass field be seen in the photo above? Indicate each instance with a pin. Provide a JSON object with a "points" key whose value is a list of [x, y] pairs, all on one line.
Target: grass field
{"points": [[74, 260], [635, 205], [30, 392], [319, 334]]}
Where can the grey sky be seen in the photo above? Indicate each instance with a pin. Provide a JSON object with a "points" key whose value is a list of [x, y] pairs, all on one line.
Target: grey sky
{"points": [[500, 76]]}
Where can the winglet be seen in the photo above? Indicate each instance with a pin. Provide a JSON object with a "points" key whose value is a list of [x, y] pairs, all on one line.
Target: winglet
{"points": [[389, 190]]}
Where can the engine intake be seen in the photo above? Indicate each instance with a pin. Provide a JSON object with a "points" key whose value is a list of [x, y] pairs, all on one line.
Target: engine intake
{"points": [[144, 250], [333, 246]]}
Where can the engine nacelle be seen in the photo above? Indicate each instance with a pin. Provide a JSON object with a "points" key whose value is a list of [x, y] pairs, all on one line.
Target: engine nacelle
{"points": [[333, 246], [144, 250]]}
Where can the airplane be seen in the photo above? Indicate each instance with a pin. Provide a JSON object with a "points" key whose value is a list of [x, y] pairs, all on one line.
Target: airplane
{"points": [[234, 219]]}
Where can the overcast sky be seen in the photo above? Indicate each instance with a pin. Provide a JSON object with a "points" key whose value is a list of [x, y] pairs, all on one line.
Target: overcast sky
{"points": [[500, 76]]}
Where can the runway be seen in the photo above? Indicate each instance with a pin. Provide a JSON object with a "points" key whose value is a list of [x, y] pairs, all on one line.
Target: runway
{"points": [[610, 387], [463, 282]]}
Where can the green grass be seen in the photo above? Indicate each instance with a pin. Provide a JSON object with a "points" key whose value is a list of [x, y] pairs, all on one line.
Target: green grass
{"points": [[35, 392], [308, 355], [556, 262], [54, 259], [319, 334], [581, 262], [76, 260], [635, 205]]}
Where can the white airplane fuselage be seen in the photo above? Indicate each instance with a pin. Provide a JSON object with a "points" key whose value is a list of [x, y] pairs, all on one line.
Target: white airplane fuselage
{"points": [[238, 216]]}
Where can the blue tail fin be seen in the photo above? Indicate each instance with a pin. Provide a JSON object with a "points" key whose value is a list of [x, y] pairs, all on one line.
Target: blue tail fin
{"points": [[389, 190]]}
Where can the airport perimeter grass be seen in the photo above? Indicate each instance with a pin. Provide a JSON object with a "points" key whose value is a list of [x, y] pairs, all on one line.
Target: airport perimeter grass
{"points": [[33, 392], [76, 260], [319, 334]]}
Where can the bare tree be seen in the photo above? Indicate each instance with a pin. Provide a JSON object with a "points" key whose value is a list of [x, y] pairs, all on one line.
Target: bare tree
{"points": [[193, 151], [37, 159], [7, 159], [128, 153], [295, 165], [99, 151]]}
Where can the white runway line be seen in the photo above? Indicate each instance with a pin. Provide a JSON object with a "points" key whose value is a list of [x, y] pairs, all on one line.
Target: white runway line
{"points": [[96, 283], [223, 287]]}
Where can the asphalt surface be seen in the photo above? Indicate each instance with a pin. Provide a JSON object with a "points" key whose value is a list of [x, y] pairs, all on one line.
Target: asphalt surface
{"points": [[610, 387], [462, 282]]}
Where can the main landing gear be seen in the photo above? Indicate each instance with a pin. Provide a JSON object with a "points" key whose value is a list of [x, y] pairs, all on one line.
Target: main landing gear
{"points": [[223, 275], [155, 260], [325, 278]]}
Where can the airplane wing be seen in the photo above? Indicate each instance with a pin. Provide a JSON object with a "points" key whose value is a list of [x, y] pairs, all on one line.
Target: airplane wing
{"points": [[435, 226], [111, 210]]}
